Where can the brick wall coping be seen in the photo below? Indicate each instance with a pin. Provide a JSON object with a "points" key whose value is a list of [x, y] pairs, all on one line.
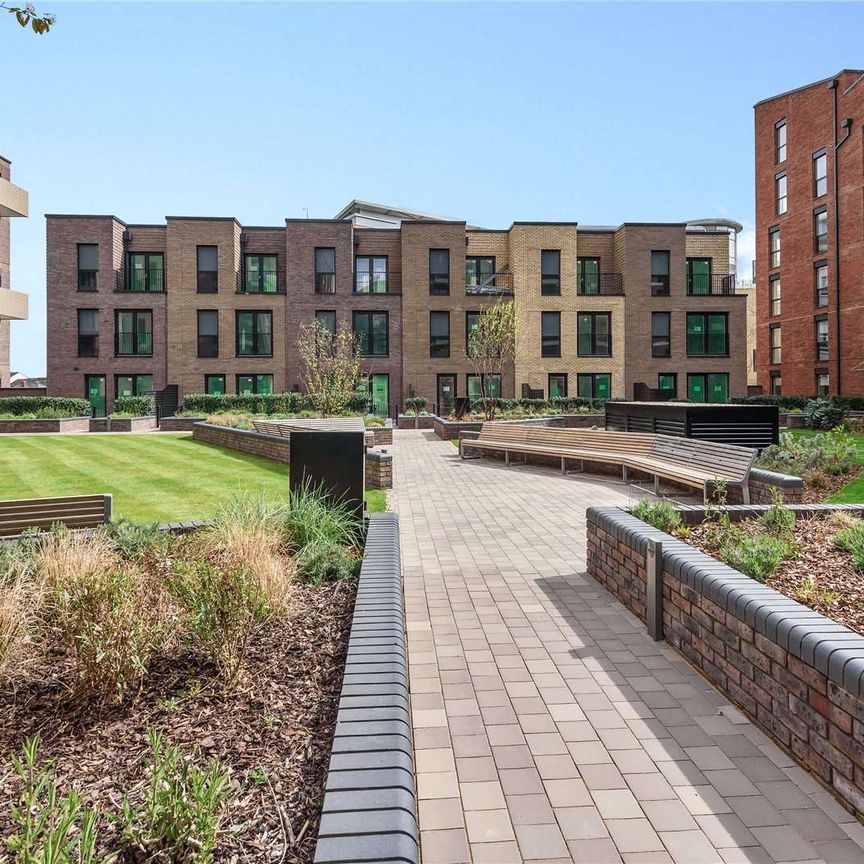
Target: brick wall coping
{"points": [[775, 478], [378, 456], [835, 651], [369, 811], [243, 433]]}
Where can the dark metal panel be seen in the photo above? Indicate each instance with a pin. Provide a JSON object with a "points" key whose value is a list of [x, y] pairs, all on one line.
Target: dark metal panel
{"points": [[331, 460]]}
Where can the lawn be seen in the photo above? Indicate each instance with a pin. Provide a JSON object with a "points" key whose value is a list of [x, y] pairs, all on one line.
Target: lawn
{"points": [[160, 477], [851, 493]]}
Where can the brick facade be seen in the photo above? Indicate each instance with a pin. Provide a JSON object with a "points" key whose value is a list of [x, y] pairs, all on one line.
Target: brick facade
{"points": [[808, 113]]}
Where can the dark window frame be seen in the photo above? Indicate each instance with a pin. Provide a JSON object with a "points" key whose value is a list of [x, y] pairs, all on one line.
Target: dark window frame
{"points": [[468, 329], [660, 281], [94, 337], [593, 334], [550, 283], [823, 355], [370, 330], [820, 248], [659, 340], [549, 378], [256, 335], [592, 378], [692, 281], [87, 276], [581, 275], [438, 351], [135, 333], [781, 201], [818, 294], [550, 346], [325, 280], [318, 318], [706, 316], [780, 147], [136, 377], [476, 283], [256, 384], [775, 303], [210, 375], [207, 280], [820, 179], [371, 272], [483, 376], [818, 373], [145, 271], [439, 280], [774, 255], [705, 376], [674, 387], [775, 376], [262, 274], [775, 352], [208, 343]]}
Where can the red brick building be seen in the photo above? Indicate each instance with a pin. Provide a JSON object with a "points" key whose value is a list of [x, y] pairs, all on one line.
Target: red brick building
{"points": [[810, 238]]}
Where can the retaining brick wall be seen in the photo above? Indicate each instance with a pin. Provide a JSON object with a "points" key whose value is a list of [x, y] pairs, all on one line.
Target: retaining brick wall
{"points": [[69, 424], [179, 424], [422, 421], [99, 424], [266, 446], [382, 435], [132, 424], [798, 675], [379, 470]]}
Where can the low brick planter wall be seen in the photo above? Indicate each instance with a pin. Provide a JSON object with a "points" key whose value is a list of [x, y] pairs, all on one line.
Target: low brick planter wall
{"points": [[379, 470], [797, 675], [448, 429], [179, 424], [99, 424], [382, 435], [62, 425], [421, 421], [247, 441], [369, 811], [132, 424]]}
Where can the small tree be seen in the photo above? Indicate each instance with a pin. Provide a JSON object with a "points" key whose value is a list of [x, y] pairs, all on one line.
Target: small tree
{"points": [[492, 346], [331, 366]]}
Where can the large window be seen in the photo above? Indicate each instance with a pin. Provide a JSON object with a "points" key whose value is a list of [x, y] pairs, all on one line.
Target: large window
{"points": [[550, 271], [370, 274], [479, 271], [254, 385], [325, 270], [260, 274], [88, 332], [490, 382], [776, 379], [775, 336], [820, 270], [439, 334], [327, 319], [132, 385], [254, 334], [596, 385], [439, 271], [708, 387], [780, 193], [557, 385], [146, 272], [822, 347], [214, 384], [823, 383], [594, 337], [774, 247], [661, 343], [472, 322], [780, 141], [208, 269], [208, 333], [372, 333], [820, 174], [660, 272], [550, 341], [774, 291], [667, 383], [133, 332], [588, 271], [707, 334], [698, 276], [820, 229], [88, 266]]}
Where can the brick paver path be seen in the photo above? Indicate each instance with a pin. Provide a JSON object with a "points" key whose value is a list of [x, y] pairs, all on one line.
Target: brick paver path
{"points": [[547, 726]]}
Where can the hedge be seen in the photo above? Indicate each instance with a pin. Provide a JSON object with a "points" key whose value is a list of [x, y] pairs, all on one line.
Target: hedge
{"points": [[801, 403], [270, 403], [136, 406], [562, 403], [59, 406]]}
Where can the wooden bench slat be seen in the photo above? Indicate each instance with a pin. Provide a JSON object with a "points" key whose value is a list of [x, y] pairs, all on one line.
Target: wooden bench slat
{"points": [[75, 511]]}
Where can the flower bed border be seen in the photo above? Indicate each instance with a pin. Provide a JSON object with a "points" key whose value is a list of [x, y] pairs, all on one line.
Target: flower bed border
{"points": [[369, 811], [797, 674]]}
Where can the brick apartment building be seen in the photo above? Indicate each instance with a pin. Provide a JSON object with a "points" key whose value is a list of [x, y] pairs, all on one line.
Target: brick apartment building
{"points": [[810, 238], [207, 304], [13, 304]]}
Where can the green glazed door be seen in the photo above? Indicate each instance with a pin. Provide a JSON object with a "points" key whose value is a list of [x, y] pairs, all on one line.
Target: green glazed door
{"points": [[380, 387], [96, 394]]}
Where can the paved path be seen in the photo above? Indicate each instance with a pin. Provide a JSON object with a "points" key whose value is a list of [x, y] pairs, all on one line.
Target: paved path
{"points": [[547, 726]]}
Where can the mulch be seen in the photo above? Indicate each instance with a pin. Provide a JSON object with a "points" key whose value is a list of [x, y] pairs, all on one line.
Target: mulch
{"points": [[274, 730], [821, 576], [831, 484]]}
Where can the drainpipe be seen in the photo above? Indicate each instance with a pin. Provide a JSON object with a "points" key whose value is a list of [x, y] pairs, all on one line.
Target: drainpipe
{"points": [[838, 143]]}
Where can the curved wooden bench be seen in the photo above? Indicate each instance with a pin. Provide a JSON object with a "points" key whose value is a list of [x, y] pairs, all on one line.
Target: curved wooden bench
{"points": [[75, 511]]}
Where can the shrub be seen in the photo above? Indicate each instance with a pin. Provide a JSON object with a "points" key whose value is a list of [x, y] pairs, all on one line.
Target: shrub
{"points": [[416, 405], [203, 404], [20, 598], [133, 542], [661, 514], [373, 420], [222, 605], [757, 557], [851, 539], [310, 517], [135, 406], [830, 452], [49, 827], [321, 560], [777, 519], [824, 414], [52, 406], [182, 809]]}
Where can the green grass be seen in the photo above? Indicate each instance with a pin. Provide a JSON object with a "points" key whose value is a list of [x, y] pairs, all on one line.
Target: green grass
{"points": [[851, 493], [156, 477]]}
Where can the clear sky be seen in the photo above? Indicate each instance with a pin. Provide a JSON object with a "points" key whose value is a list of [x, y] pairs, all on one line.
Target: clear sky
{"points": [[593, 112]]}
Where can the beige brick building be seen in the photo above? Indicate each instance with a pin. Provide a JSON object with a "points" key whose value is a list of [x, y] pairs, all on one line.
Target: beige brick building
{"points": [[207, 304], [13, 304]]}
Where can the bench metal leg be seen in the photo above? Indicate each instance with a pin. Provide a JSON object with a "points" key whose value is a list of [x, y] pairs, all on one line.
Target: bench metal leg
{"points": [[563, 466], [657, 485], [745, 491], [625, 473], [507, 458]]}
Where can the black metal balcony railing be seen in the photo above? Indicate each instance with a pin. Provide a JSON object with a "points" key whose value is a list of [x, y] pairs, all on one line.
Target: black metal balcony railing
{"points": [[496, 285], [134, 344], [141, 281], [710, 284], [369, 283], [325, 283], [604, 284], [259, 282]]}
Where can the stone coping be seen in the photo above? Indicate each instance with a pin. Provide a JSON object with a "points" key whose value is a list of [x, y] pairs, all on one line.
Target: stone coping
{"points": [[379, 456], [369, 811], [833, 650], [775, 478]]}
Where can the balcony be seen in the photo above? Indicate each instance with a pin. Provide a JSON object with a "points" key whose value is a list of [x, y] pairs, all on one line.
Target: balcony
{"points": [[710, 284], [262, 282], [602, 284], [13, 306], [496, 285], [134, 344], [150, 281], [14, 201]]}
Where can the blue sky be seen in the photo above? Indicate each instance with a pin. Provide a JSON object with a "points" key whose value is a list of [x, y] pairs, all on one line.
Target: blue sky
{"points": [[487, 112]]}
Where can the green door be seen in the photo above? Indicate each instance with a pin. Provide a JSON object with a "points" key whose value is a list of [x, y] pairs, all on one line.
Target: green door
{"points": [[379, 386], [698, 275], [696, 388], [95, 387], [718, 387]]}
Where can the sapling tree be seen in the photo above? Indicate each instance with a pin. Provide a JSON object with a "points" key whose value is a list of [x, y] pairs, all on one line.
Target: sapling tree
{"points": [[492, 346], [331, 366]]}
